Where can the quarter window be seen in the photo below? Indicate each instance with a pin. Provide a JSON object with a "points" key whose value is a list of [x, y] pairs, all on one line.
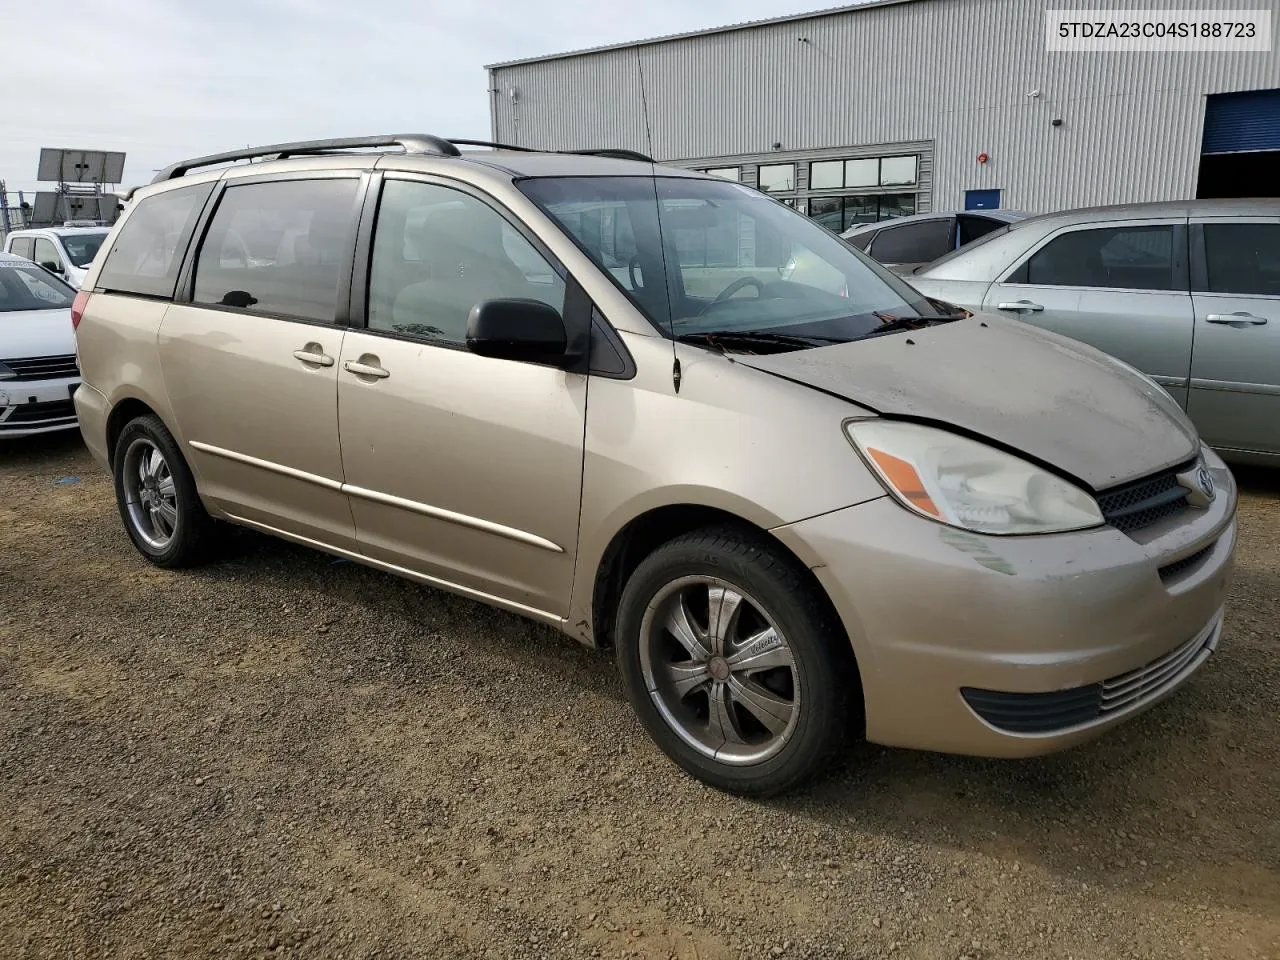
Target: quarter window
{"points": [[437, 252], [1128, 258], [279, 248], [1243, 258], [148, 251]]}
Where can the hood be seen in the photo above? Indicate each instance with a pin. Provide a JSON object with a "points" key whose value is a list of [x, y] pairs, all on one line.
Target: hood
{"points": [[36, 333], [1054, 399]]}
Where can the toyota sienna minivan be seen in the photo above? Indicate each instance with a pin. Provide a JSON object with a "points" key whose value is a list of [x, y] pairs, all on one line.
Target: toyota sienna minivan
{"points": [[577, 386]]}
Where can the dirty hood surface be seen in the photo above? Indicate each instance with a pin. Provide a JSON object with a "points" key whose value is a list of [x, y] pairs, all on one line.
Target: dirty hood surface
{"points": [[1055, 399]]}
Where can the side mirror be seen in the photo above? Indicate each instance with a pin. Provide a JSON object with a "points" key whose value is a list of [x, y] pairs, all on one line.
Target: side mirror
{"points": [[517, 329], [51, 266]]}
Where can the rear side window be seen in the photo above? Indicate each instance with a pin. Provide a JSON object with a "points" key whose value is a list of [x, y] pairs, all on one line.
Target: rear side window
{"points": [[1126, 258], [148, 250], [279, 248], [914, 242], [24, 247], [1244, 258]]}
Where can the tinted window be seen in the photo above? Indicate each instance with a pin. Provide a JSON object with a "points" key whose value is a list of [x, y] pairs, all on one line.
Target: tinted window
{"points": [[438, 252], [46, 252], [862, 239], [24, 247], [971, 228], [148, 250], [279, 248], [1243, 258], [914, 242], [1130, 258], [27, 287]]}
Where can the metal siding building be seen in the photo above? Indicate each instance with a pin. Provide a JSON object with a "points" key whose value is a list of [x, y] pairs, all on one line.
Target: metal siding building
{"points": [[944, 80]]}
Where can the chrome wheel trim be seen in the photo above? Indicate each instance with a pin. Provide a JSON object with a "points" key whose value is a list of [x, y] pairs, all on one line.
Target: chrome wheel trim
{"points": [[151, 499], [719, 671]]}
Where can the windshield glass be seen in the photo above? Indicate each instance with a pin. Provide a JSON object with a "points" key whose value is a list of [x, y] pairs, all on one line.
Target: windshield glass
{"points": [[703, 255], [24, 286], [82, 247]]}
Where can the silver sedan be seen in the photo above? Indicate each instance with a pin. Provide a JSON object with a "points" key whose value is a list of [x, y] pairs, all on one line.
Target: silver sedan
{"points": [[1187, 292]]}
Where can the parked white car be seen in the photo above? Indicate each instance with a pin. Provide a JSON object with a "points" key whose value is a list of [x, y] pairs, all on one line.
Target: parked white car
{"points": [[67, 252], [38, 368]]}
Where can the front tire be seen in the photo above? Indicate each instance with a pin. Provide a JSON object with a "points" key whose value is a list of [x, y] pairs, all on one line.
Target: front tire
{"points": [[157, 498], [735, 662]]}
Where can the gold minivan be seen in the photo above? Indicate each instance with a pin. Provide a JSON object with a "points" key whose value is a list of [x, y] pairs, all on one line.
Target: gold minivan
{"points": [[578, 386]]}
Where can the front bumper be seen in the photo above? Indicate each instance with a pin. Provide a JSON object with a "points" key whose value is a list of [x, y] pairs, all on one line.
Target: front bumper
{"points": [[29, 407], [1016, 646]]}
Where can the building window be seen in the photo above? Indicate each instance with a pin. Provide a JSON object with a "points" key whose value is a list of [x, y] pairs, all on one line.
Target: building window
{"points": [[864, 172], [727, 173], [896, 171], [838, 214], [826, 174], [775, 177]]}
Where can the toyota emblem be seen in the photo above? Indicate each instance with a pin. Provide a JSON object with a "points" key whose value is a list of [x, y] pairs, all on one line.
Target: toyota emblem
{"points": [[1205, 479]]}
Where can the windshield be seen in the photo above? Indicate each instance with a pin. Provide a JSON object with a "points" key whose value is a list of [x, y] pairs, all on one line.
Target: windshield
{"points": [[24, 286], [698, 256], [82, 247]]}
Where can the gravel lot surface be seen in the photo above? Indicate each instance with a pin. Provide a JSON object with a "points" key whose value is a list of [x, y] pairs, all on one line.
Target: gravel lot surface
{"points": [[281, 755]]}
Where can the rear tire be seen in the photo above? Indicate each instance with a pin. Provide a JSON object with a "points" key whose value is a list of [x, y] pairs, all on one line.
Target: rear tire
{"points": [[157, 498], [735, 661]]}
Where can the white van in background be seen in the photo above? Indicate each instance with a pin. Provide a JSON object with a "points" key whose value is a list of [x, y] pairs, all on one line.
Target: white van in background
{"points": [[64, 251]]}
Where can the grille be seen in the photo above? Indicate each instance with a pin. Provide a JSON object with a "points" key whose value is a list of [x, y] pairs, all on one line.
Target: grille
{"points": [[42, 368], [28, 413], [1119, 692], [1137, 505], [1062, 709], [1178, 567]]}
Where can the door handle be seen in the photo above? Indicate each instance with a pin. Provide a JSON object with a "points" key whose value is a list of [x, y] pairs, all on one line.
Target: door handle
{"points": [[366, 369], [315, 357], [1020, 306], [1232, 319]]}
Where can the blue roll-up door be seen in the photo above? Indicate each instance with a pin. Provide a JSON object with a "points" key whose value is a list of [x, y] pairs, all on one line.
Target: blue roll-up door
{"points": [[1242, 122]]}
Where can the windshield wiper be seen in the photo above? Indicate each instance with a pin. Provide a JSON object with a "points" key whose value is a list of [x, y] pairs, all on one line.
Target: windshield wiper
{"points": [[889, 322], [714, 337]]}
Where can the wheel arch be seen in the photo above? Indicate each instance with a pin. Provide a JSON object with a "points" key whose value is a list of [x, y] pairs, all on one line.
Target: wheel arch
{"points": [[645, 532]]}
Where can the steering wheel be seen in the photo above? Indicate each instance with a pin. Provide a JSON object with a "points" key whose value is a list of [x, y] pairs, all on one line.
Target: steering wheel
{"points": [[631, 272], [739, 284]]}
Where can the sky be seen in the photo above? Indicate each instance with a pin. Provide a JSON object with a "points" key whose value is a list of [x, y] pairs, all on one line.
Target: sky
{"points": [[164, 80]]}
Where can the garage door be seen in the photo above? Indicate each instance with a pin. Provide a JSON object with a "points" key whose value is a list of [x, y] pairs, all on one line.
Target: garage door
{"points": [[1242, 122]]}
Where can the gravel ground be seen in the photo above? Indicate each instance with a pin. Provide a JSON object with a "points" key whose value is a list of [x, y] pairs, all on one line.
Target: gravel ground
{"points": [[281, 755]]}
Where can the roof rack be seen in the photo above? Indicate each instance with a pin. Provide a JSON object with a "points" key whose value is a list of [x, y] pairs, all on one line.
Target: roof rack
{"points": [[413, 143], [617, 154]]}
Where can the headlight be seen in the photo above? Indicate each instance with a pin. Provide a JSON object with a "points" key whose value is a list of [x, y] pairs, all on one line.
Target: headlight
{"points": [[967, 484]]}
